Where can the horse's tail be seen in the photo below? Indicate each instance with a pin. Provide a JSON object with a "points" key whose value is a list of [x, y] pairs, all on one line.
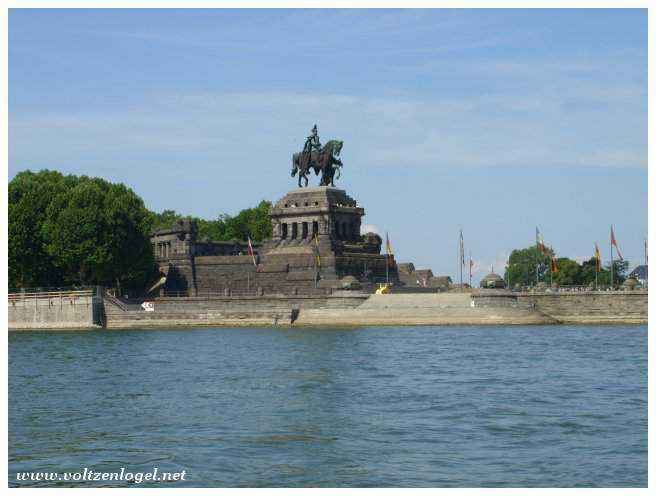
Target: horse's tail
{"points": [[295, 166]]}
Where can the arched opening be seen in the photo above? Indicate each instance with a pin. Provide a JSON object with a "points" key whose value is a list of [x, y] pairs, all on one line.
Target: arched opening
{"points": [[304, 230], [294, 230], [315, 228], [283, 234]]}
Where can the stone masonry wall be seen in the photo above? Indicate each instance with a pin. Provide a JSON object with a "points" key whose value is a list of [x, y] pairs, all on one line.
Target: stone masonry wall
{"points": [[55, 313], [591, 307]]}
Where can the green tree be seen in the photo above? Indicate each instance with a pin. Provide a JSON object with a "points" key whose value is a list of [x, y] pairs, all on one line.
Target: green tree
{"points": [[29, 195], [620, 269], [522, 265], [588, 269], [254, 222], [588, 273], [568, 274], [165, 219], [77, 230]]}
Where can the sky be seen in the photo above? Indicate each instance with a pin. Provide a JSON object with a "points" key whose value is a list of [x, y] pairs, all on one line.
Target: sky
{"points": [[489, 121]]}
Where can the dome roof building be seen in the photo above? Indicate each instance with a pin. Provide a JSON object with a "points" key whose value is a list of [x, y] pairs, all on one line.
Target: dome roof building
{"points": [[492, 281]]}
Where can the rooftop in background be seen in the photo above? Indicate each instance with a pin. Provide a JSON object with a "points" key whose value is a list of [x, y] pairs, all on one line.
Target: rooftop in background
{"points": [[640, 273]]}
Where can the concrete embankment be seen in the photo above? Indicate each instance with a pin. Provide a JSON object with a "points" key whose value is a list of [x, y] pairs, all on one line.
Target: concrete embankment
{"points": [[423, 309], [348, 309], [54, 310], [226, 311], [594, 307], [345, 308]]}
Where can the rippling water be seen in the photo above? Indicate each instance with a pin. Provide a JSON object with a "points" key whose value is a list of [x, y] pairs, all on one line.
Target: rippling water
{"points": [[417, 406]]}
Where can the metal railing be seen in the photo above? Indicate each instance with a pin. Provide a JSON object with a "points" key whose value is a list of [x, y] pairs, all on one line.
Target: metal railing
{"points": [[31, 295], [116, 301], [573, 289]]}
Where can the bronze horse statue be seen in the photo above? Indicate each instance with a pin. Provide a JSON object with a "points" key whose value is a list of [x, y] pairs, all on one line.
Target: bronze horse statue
{"points": [[326, 161]]}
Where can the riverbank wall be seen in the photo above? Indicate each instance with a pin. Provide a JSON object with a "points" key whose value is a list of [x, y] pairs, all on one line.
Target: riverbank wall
{"points": [[592, 307], [55, 310], [428, 309], [264, 310], [339, 308]]}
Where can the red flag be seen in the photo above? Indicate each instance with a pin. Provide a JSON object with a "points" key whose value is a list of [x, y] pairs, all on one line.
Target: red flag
{"points": [[614, 242], [251, 252]]}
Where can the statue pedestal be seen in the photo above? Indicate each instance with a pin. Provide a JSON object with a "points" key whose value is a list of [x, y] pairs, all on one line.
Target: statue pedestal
{"points": [[323, 212], [318, 230]]}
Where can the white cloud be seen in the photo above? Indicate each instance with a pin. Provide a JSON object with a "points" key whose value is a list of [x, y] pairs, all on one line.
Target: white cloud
{"points": [[530, 130]]}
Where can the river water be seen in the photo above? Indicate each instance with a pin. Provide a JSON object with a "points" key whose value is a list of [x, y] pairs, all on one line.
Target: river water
{"points": [[412, 406]]}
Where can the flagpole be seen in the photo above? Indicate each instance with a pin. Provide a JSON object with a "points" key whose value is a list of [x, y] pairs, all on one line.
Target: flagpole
{"points": [[470, 267], [387, 269], [387, 254], [611, 257], [537, 249], [461, 258], [646, 264], [597, 266], [552, 267]]}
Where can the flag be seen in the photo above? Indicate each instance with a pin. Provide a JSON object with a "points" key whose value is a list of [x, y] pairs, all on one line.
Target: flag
{"points": [[388, 248], [539, 241], [597, 259], [554, 265], [317, 257], [613, 242], [251, 252], [462, 249], [471, 266]]}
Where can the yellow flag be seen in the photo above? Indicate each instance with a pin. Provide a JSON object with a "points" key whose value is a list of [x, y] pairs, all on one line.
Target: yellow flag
{"points": [[316, 250]]}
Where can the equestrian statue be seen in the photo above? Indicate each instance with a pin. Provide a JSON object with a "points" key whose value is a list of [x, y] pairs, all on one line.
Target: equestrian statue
{"points": [[324, 159]]}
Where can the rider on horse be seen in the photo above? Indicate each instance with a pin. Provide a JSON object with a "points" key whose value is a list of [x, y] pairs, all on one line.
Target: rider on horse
{"points": [[312, 142]]}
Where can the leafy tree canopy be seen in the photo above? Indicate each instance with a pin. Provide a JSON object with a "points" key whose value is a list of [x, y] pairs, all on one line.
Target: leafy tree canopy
{"points": [[523, 264], [253, 222], [521, 270], [70, 230]]}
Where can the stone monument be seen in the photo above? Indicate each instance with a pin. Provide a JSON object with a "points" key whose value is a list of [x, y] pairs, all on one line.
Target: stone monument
{"points": [[316, 243]]}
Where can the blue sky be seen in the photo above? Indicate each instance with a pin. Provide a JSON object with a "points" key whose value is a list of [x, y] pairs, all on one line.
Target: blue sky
{"points": [[493, 121]]}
